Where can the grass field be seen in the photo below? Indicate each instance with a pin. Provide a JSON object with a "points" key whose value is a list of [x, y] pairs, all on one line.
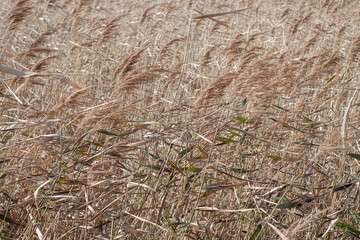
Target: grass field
{"points": [[179, 119]]}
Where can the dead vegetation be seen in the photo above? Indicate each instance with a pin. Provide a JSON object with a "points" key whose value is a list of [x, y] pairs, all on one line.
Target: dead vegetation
{"points": [[151, 120]]}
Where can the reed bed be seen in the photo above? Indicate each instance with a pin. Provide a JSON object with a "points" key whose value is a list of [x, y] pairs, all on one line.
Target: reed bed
{"points": [[173, 120]]}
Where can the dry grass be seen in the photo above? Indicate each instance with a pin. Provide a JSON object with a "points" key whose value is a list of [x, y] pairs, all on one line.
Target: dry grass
{"points": [[172, 120]]}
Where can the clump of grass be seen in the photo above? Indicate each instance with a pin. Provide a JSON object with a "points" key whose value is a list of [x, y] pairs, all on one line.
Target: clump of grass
{"points": [[18, 14], [127, 64], [110, 28], [41, 39], [216, 89], [201, 122]]}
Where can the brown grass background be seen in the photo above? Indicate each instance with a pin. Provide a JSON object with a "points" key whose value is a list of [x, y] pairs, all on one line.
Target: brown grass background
{"points": [[148, 120]]}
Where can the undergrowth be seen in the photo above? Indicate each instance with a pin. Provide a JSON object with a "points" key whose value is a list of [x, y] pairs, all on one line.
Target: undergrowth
{"points": [[179, 120]]}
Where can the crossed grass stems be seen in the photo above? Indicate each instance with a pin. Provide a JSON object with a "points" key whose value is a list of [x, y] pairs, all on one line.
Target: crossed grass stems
{"points": [[218, 126]]}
